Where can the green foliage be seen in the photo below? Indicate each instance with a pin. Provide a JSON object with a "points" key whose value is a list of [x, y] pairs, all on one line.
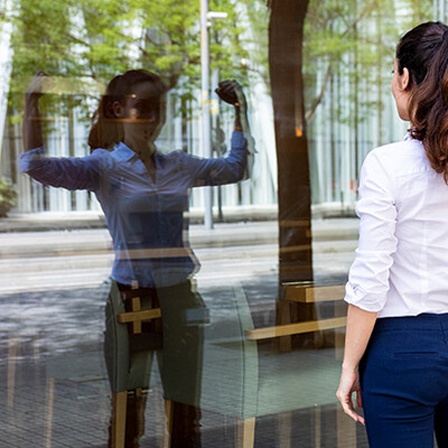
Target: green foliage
{"points": [[97, 39], [256, 19], [354, 40], [8, 197]]}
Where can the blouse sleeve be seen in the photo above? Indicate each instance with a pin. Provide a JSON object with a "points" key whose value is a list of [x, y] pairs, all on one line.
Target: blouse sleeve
{"points": [[72, 173], [368, 281], [221, 171]]}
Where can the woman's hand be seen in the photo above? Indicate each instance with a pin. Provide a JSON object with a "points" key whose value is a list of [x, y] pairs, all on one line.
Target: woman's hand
{"points": [[32, 127], [40, 84], [349, 384], [359, 328], [231, 92]]}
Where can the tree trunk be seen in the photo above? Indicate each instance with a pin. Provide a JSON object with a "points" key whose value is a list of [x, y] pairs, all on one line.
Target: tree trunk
{"points": [[294, 196]]}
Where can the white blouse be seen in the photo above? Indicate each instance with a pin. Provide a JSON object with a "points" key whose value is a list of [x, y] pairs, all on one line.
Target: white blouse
{"points": [[401, 264]]}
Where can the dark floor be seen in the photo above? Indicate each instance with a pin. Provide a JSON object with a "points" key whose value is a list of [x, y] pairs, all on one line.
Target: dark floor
{"points": [[54, 390]]}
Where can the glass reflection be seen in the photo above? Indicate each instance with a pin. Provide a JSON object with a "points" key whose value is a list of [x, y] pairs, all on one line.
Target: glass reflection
{"points": [[144, 195], [265, 308]]}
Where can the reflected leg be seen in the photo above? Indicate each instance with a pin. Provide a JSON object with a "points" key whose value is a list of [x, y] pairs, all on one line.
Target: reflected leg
{"points": [[135, 419], [183, 317], [128, 358]]}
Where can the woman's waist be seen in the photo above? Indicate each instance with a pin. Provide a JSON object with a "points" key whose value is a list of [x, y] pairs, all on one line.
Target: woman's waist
{"points": [[149, 253], [423, 321], [153, 275]]}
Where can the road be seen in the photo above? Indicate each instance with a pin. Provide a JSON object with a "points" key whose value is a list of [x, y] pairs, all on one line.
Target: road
{"points": [[34, 261]]}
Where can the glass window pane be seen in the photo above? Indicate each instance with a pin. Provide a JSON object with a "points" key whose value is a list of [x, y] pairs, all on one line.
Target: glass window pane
{"points": [[178, 183]]}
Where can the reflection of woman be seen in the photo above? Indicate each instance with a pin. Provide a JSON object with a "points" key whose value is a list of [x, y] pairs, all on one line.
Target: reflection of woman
{"points": [[144, 194], [397, 291]]}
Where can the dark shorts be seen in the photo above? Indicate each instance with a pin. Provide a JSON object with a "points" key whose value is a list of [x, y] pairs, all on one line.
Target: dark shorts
{"points": [[177, 340]]}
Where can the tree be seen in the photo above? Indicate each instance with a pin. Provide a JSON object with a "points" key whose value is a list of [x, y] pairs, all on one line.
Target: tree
{"points": [[355, 38], [85, 43], [285, 62], [335, 36], [330, 32], [99, 38], [294, 196]]}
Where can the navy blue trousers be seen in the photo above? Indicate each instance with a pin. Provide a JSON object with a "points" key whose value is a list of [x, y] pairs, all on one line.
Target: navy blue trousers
{"points": [[404, 382]]}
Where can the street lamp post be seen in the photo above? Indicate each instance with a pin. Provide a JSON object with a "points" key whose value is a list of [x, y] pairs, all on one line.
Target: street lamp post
{"points": [[205, 104], [205, 101]]}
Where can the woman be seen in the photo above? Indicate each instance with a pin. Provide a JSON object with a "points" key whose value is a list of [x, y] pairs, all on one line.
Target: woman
{"points": [[144, 195], [396, 352]]}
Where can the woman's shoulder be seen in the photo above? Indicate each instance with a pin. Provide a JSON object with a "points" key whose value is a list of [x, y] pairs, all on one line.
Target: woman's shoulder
{"points": [[406, 146], [408, 154], [100, 152], [105, 159]]}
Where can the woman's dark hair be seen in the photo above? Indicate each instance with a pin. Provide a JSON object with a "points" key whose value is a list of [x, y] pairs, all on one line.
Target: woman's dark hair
{"points": [[106, 130], [424, 52]]}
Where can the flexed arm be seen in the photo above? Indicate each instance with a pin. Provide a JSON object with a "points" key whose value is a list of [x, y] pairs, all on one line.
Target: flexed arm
{"points": [[72, 173], [232, 93], [32, 123]]}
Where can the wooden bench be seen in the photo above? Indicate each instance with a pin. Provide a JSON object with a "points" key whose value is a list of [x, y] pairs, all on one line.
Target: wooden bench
{"points": [[304, 293], [244, 380]]}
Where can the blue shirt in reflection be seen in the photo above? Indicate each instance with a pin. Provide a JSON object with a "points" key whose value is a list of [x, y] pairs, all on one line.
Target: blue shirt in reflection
{"points": [[145, 216]]}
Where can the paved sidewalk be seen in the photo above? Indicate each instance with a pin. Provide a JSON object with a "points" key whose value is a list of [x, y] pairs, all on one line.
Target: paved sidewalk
{"points": [[83, 256], [69, 230], [54, 391]]}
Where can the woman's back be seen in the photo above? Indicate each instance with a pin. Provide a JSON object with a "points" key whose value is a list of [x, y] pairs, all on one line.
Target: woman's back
{"points": [[404, 229]]}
